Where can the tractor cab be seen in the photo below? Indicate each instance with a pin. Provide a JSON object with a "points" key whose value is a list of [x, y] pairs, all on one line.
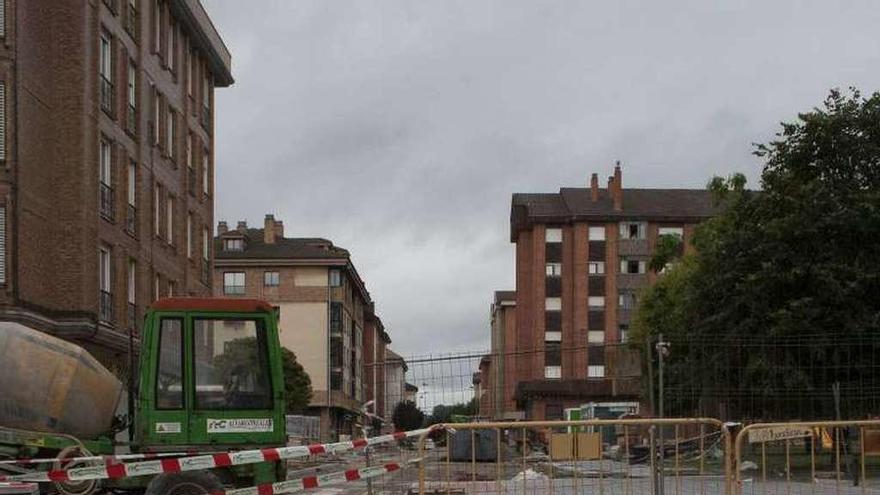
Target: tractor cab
{"points": [[210, 374]]}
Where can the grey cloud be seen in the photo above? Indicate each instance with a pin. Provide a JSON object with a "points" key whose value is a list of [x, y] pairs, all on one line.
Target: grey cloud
{"points": [[399, 129]]}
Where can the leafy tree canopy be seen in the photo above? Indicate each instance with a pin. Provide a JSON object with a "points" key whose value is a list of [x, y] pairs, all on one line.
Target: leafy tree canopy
{"points": [[407, 416], [798, 260]]}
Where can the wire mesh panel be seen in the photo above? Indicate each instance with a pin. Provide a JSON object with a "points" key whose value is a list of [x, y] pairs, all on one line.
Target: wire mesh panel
{"points": [[569, 457]]}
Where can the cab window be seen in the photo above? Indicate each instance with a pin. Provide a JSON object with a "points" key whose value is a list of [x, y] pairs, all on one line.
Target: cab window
{"points": [[231, 364], [169, 378]]}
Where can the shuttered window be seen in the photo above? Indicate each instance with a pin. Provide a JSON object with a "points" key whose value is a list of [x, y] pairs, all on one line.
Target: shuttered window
{"points": [[3, 18]]}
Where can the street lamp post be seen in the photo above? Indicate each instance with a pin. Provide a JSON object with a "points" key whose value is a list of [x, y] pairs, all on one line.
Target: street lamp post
{"points": [[662, 353]]}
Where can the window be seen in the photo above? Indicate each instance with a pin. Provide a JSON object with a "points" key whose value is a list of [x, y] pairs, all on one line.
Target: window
{"points": [[206, 165], [171, 288], [132, 183], [132, 280], [597, 234], [2, 19], [205, 245], [596, 336], [232, 372], [553, 235], [233, 283], [131, 19], [169, 220], [596, 302], [157, 212], [169, 133], [596, 268], [190, 72], [189, 226], [553, 372], [552, 354], [553, 336], [206, 95], [627, 300], [156, 283], [554, 269], [676, 231], [106, 179], [105, 283], [335, 278], [105, 67], [132, 94], [171, 45], [271, 279], [633, 230], [553, 304], [596, 371], [157, 113], [157, 27], [336, 317], [189, 155], [106, 163], [169, 377], [631, 266], [623, 333], [233, 244]]}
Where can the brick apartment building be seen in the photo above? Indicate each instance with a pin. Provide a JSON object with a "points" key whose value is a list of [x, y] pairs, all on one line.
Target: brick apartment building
{"points": [[581, 260], [106, 189], [324, 309]]}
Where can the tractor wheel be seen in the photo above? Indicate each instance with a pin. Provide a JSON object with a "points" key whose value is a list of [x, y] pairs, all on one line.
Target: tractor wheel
{"points": [[185, 483], [75, 487]]}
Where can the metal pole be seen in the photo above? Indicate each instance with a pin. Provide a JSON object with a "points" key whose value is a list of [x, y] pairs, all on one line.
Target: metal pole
{"points": [[661, 351]]}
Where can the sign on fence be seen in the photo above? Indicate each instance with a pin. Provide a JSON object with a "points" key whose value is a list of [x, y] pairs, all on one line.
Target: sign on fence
{"points": [[778, 433]]}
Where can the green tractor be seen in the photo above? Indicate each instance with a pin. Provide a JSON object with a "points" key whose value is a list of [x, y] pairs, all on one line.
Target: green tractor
{"points": [[210, 380]]}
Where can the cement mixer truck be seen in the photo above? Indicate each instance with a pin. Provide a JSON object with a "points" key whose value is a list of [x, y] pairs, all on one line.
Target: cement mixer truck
{"points": [[209, 379]]}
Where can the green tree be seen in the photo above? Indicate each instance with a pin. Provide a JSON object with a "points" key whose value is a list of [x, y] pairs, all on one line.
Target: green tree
{"points": [[407, 416], [443, 413], [798, 261], [297, 384]]}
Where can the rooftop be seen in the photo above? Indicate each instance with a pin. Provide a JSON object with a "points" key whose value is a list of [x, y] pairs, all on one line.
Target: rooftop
{"points": [[612, 203]]}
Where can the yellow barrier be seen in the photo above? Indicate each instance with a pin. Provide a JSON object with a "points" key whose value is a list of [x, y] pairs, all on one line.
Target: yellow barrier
{"points": [[851, 443]]}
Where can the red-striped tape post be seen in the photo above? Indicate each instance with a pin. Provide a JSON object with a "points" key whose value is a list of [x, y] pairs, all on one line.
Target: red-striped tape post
{"points": [[208, 461]]}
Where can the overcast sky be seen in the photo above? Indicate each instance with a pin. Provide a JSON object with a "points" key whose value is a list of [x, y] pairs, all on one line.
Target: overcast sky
{"points": [[400, 129]]}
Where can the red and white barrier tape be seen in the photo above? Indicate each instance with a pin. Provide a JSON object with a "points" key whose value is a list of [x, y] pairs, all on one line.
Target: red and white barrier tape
{"points": [[103, 458], [210, 461], [322, 480]]}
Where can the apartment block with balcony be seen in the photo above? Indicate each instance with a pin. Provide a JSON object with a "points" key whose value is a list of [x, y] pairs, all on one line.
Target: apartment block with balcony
{"points": [[324, 309], [581, 261], [104, 108]]}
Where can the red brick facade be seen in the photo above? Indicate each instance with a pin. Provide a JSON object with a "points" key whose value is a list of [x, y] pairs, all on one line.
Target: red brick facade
{"points": [[571, 248], [65, 198]]}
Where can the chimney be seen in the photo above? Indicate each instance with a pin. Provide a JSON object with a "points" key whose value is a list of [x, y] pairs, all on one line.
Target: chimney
{"points": [[594, 187], [241, 227], [269, 229], [222, 227], [279, 229], [617, 194]]}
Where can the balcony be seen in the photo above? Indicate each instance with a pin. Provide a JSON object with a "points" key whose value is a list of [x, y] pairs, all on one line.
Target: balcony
{"points": [[105, 310], [132, 318], [106, 95], [131, 220], [191, 180], [131, 122], [106, 199]]}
